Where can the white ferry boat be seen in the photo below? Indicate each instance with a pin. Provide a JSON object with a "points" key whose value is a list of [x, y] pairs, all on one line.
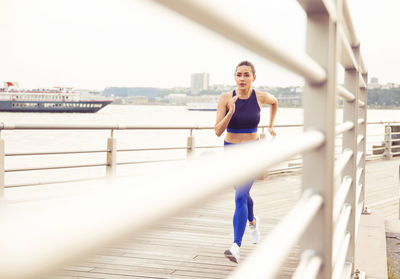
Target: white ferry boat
{"points": [[57, 99]]}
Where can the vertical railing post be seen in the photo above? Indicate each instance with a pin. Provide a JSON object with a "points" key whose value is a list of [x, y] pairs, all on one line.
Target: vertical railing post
{"points": [[111, 155], [363, 145], [263, 136], [350, 113], [388, 142], [190, 144], [2, 168], [319, 103]]}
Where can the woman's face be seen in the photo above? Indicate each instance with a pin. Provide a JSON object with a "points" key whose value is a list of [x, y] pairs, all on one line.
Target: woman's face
{"points": [[244, 77]]}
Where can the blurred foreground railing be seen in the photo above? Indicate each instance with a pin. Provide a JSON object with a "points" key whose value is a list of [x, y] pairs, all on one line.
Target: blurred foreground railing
{"points": [[324, 222], [31, 240]]}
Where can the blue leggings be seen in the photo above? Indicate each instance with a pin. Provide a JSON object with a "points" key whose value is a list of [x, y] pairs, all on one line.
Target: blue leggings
{"points": [[243, 209]]}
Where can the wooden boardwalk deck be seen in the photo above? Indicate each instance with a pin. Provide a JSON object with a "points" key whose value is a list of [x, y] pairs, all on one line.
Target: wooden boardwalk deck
{"points": [[191, 245]]}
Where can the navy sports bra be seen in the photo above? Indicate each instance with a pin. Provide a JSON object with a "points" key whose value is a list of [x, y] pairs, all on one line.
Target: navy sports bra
{"points": [[246, 117]]}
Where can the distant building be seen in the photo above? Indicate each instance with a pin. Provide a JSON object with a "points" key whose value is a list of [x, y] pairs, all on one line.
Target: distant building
{"points": [[373, 83], [138, 100], [203, 99], [374, 80], [199, 82], [177, 99], [222, 87], [388, 85]]}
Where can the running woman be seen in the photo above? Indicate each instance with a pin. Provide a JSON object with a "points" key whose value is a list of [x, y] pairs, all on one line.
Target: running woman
{"points": [[238, 113]]}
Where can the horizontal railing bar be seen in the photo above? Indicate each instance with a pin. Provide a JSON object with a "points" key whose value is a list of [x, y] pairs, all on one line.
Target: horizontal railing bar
{"points": [[320, 7], [285, 169], [230, 28], [359, 139], [363, 69], [50, 126], [134, 204], [360, 154], [358, 191], [344, 127], [347, 58], [337, 270], [309, 266], [297, 158], [56, 167], [354, 41], [340, 196], [153, 149], [384, 122], [150, 161], [393, 140], [282, 126], [56, 152], [340, 229], [395, 153], [345, 94], [359, 172], [372, 157], [35, 126], [119, 163], [342, 160], [267, 258], [209, 146], [362, 82], [378, 148], [52, 182], [395, 133]]}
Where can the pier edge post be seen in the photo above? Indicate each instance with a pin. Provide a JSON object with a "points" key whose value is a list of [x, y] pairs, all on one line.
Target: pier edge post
{"points": [[263, 136], [190, 144], [388, 142], [2, 171], [111, 156]]}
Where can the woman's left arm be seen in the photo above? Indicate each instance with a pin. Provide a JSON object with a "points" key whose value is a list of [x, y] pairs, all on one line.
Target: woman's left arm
{"points": [[266, 98]]}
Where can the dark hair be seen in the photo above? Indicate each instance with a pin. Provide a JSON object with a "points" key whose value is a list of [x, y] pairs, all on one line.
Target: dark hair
{"points": [[247, 63]]}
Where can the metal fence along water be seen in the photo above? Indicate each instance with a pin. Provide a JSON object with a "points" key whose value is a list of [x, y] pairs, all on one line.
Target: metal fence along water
{"points": [[324, 222]]}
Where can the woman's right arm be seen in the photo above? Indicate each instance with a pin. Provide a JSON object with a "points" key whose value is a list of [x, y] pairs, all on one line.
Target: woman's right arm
{"points": [[223, 114]]}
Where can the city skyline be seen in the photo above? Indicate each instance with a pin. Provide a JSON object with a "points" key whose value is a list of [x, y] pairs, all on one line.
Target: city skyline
{"points": [[133, 43]]}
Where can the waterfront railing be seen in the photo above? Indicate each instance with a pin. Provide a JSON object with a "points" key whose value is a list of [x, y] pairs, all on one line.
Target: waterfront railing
{"points": [[324, 222], [377, 148]]}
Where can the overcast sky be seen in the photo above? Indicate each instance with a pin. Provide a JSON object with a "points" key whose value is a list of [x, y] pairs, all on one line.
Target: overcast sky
{"points": [[99, 43]]}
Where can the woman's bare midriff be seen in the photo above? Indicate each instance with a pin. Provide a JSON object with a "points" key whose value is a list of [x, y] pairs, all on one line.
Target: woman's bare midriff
{"points": [[238, 138]]}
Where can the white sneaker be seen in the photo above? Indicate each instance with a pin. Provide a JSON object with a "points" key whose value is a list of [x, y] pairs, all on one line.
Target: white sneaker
{"points": [[255, 231], [233, 253]]}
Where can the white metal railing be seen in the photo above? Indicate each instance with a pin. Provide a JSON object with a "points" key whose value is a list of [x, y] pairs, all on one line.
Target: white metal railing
{"points": [[130, 207], [111, 161], [392, 141], [293, 163], [319, 222]]}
